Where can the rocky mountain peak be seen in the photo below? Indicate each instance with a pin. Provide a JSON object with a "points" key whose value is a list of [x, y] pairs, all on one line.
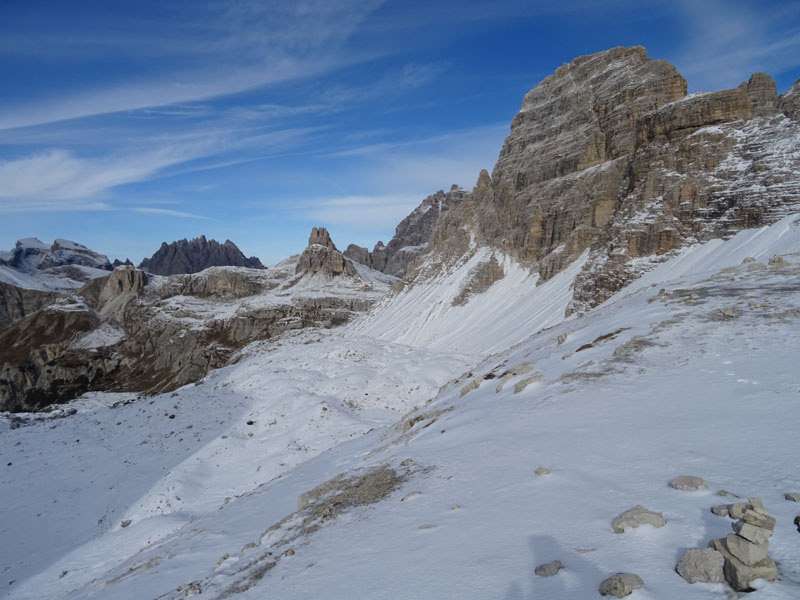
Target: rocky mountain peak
{"points": [[184, 256], [609, 155], [412, 236], [322, 257], [320, 237], [789, 102]]}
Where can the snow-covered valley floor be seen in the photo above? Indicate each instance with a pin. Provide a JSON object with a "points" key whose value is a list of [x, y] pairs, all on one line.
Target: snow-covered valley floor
{"points": [[691, 370]]}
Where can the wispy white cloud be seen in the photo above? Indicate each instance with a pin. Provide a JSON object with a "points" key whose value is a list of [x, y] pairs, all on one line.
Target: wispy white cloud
{"points": [[729, 41], [58, 177], [246, 45], [383, 183], [167, 212]]}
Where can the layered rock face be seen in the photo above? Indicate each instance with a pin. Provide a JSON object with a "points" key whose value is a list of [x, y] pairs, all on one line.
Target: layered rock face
{"points": [[411, 237], [193, 256], [608, 155]]}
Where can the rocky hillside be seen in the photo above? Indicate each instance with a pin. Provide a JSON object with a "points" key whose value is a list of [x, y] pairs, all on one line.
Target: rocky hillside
{"points": [[193, 256], [411, 237], [609, 155], [132, 332]]}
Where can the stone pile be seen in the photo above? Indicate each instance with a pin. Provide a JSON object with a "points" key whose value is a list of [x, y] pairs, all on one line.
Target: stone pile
{"points": [[746, 550]]}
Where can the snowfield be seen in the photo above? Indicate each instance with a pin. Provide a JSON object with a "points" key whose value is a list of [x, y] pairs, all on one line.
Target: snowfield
{"points": [[691, 370]]}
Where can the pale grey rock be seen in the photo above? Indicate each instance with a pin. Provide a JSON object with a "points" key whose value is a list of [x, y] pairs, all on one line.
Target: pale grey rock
{"points": [[745, 550], [758, 518], [727, 493], [701, 565], [549, 569], [542, 470], [792, 497], [635, 517], [687, 483], [738, 574], [756, 535], [621, 585], [721, 510]]}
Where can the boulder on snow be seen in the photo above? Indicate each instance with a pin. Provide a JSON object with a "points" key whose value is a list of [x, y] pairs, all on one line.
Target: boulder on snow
{"points": [[638, 515], [792, 497], [621, 585], [687, 483], [721, 510], [549, 569], [542, 470], [738, 574], [704, 565]]}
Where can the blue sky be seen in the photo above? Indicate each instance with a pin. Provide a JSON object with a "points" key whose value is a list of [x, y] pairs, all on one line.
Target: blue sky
{"points": [[125, 124]]}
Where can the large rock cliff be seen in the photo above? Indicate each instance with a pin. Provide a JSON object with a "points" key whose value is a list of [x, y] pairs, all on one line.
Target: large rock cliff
{"points": [[609, 156], [193, 256]]}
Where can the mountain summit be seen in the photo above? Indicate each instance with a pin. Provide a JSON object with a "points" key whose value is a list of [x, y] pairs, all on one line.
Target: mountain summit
{"points": [[193, 256]]}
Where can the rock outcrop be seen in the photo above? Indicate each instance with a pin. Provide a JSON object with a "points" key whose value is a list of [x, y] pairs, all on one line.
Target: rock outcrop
{"points": [[608, 155], [16, 302], [322, 258], [129, 332], [412, 236], [193, 256]]}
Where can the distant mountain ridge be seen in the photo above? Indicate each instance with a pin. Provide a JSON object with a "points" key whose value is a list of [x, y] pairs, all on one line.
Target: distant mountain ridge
{"points": [[63, 265], [192, 256]]}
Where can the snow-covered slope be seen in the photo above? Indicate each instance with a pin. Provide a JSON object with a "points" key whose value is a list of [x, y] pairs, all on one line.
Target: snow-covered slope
{"points": [[62, 266], [510, 310], [692, 370]]}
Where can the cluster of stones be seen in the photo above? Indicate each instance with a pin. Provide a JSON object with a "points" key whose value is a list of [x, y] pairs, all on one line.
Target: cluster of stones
{"points": [[745, 552], [739, 558]]}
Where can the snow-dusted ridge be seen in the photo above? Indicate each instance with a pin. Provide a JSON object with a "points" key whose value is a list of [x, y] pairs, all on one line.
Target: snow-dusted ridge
{"points": [[649, 385]]}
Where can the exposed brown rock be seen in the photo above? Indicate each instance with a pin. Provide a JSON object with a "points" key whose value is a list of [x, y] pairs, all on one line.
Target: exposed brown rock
{"points": [[789, 102], [609, 155], [322, 257]]}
